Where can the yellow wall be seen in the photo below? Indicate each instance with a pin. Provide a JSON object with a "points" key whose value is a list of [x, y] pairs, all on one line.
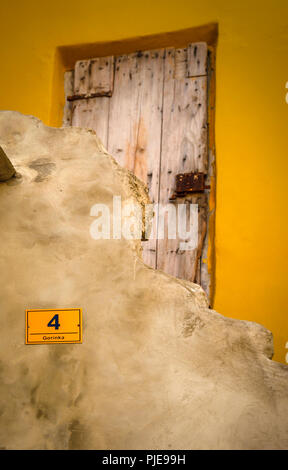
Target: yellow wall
{"points": [[251, 121]]}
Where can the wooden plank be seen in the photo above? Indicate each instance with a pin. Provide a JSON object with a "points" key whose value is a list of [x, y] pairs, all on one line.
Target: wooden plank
{"points": [[68, 90], [184, 149], [148, 148], [208, 251], [123, 117], [147, 157], [101, 76], [93, 114], [197, 59], [181, 263], [184, 133], [134, 136], [203, 208], [191, 61], [93, 78], [180, 63], [81, 77]]}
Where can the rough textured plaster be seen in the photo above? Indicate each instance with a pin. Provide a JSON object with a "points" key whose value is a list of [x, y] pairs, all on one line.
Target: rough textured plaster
{"points": [[157, 368]]}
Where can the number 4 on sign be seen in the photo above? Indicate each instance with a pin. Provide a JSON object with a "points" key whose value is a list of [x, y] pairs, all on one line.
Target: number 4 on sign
{"points": [[54, 322]]}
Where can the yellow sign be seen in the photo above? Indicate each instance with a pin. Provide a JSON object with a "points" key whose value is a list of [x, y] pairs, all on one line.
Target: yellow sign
{"points": [[50, 326]]}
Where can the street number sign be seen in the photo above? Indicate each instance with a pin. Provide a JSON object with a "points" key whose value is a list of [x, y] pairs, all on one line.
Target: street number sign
{"points": [[52, 326]]}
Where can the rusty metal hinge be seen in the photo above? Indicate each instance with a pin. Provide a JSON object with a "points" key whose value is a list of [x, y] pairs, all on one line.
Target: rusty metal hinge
{"points": [[87, 96], [187, 183]]}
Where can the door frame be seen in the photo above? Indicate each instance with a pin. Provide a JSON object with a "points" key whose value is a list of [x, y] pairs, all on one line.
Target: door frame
{"points": [[65, 59]]}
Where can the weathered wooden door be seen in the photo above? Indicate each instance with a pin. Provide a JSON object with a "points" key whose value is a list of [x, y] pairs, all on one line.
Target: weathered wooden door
{"points": [[150, 110]]}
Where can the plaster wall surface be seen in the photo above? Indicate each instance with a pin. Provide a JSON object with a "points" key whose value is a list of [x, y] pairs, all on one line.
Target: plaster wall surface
{"points": [[157, 369]]}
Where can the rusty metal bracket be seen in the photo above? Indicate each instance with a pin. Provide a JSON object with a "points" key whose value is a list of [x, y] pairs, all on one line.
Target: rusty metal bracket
{"points": [[87, 96], [187, 183]]}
